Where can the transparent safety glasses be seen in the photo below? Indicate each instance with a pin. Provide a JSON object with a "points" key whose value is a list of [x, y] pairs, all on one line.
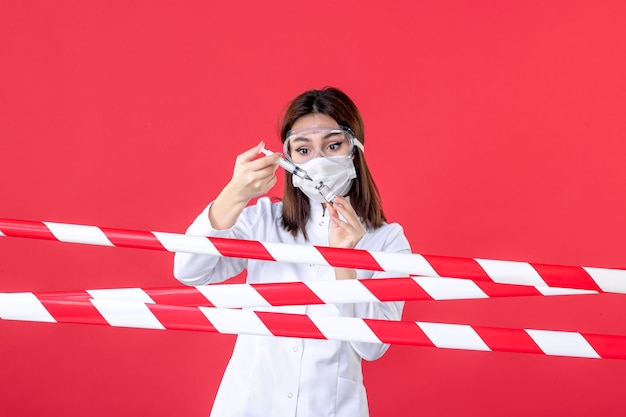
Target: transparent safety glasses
{"points": [[334, 143]]}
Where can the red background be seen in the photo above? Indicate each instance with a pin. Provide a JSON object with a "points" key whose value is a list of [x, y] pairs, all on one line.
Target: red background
{"points": [[494, 129]]}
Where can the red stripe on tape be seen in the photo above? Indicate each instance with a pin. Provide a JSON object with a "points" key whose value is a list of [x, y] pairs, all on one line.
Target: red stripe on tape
{"points": [[25, 228], [608, 346], [181, 318], [388, 289], [287, 293], [132, 239], [447, 266], [400, 332], [349, 258], [506, 290], [507, 340], [241, 248], [186, 296], [290, 325], [72, 311], [64, 295], [566, 276]]}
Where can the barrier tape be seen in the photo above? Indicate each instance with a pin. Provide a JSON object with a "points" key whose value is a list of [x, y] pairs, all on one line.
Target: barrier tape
{"points": [[26, 307], [314, 292], [498, 271]]}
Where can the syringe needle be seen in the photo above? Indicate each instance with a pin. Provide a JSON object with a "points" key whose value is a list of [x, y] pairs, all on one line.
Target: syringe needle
{"points": [[288, 166]]}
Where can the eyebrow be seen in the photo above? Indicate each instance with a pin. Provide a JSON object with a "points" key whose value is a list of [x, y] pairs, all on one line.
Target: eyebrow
{"points": [[329, 135]]}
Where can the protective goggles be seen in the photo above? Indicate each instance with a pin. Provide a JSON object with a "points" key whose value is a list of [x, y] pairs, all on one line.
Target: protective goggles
{"points": [[334, 143]]}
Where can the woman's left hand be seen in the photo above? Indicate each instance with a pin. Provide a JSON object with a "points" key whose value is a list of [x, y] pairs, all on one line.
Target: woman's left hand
{"points": [[344, 234]]}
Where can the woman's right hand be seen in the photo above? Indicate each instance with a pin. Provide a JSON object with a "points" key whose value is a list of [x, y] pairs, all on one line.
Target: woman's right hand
{"points": [[251, 178]]}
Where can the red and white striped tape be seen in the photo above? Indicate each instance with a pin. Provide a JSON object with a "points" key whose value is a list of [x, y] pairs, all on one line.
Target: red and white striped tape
{"points": [[25, 306], [315, 292], [498, 271]]}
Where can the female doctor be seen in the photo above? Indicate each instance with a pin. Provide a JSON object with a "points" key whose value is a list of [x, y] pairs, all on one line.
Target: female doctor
{"points": [[322, 132]]}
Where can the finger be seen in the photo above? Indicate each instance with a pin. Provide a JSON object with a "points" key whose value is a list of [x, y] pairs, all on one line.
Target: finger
{"points": [[338, 222], [342, 203], [263, 173], [346, 225], [335, 210], [250, 153], [331, 210], [263, 162], [334, 214], [261, 185], [343, 206], [345, 232], [349, 220], [271, 181]]}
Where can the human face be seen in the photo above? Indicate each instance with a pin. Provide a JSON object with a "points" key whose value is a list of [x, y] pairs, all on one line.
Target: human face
{"points": [[318, 134]]}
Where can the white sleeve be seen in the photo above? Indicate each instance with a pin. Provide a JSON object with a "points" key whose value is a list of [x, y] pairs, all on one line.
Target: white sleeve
{"points": [[194, 269], [395, 242]]}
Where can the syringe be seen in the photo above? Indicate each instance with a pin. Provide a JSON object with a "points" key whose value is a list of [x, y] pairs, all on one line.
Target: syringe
{"points": [[288, 165]]}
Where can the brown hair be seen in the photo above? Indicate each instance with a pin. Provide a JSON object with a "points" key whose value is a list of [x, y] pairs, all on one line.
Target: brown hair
{"points": [[364, 195]]}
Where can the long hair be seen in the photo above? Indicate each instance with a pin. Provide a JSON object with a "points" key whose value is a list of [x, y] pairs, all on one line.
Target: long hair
{"points": [[364, 195]]}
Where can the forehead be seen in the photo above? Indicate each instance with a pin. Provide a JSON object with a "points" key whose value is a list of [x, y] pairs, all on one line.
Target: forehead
{"points": [[314, 119]]}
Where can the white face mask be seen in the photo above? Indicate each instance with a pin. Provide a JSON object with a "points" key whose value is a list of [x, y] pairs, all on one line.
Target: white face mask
{"points": [[338, 176]]}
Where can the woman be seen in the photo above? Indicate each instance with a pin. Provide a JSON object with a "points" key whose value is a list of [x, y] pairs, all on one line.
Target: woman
{"points": [[322, 133]]}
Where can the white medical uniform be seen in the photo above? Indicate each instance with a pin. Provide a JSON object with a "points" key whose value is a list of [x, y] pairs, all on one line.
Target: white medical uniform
{"points": [[282, 376]]}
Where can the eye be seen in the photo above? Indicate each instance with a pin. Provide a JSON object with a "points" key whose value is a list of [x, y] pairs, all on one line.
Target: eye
{"points": [[334, 146], [302, 151]]}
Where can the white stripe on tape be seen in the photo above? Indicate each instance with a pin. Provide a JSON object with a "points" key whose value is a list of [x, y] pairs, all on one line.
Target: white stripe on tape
{"points": [[345, 328], [406, 263], [511, 272], [2, 234], [563, 291], [294, 253], [612, 280], [232, 295], [453, 336], [174, 242], [562, 343], [348, 291], [23, 306], [235, 321], [450, 288], [127, 314], [122, 294], [76, 233]]}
